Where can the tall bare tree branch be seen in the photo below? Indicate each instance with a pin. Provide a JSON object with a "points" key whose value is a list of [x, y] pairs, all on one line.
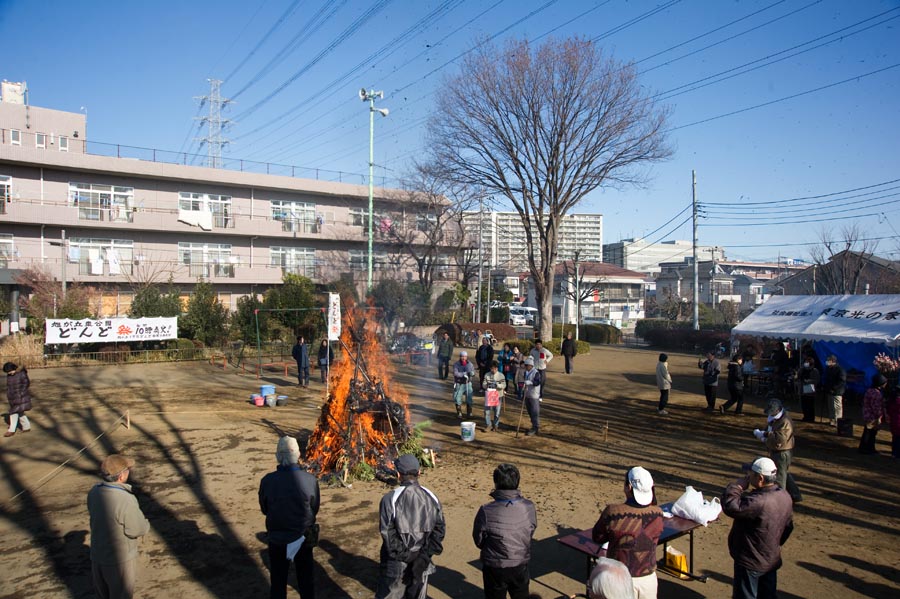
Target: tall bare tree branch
{"points": [[542, 127]]}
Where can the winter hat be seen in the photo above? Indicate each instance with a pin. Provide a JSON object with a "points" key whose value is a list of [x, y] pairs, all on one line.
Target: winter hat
{"points": [[641, 485], [288, 451], [773, 407], [529, 361], [463, 354]]}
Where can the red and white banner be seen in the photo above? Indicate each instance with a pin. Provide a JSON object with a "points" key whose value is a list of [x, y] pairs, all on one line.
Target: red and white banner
{"points": [[110, 330], [334, 316]]}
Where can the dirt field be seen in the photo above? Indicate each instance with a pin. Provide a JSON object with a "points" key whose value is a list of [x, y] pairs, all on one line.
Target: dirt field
{"points": [[201, 450]]}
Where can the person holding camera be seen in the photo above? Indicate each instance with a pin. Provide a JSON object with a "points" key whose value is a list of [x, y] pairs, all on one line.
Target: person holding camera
{"points": [[494, 385]]}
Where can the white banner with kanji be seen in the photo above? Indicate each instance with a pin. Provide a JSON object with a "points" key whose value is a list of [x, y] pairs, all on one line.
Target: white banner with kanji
{"points": [[334, 316], [110, 330]]}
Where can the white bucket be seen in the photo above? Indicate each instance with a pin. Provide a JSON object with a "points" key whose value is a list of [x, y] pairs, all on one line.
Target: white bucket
{"points": [[467, 431]]}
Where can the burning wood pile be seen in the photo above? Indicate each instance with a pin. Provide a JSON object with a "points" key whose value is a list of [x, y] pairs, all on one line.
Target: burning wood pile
{"points": [[362, 426]]}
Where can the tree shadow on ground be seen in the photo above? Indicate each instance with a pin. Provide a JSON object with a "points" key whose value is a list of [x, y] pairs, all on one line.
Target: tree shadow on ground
{"points": [[875, 590]]}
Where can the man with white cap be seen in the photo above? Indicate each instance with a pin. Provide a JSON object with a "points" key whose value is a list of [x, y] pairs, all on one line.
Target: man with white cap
{"points": [[412, 527], [532, 381], [116, 525], [463, 371], [763, 521], [632, 530], [289, 498]]}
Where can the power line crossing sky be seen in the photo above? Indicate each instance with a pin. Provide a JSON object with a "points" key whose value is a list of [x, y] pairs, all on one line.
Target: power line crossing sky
{"points": [[770, 100]]}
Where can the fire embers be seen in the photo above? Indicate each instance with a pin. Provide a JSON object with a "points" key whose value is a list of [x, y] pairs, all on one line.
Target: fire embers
{"points": [[360, 426]]}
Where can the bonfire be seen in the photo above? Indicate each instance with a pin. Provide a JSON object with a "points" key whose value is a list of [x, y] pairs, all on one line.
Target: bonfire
{"points": [[365, 419]]}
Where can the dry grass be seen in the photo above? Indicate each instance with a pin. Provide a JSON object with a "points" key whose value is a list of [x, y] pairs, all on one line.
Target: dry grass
{"points": [[24, 350]]}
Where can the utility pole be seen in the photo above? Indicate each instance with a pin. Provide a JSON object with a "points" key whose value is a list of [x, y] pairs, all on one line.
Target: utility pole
{"points": [[696, 266], [577, 297], [215, 124], [65, 256], [712, 280], [370, 96], [480, 256]]}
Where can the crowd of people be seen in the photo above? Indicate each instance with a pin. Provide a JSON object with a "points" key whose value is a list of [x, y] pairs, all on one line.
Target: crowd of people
{"points": [[412, 528]]}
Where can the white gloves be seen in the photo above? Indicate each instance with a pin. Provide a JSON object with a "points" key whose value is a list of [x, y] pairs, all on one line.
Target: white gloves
{"points": [[529, 383], [761, 435]]}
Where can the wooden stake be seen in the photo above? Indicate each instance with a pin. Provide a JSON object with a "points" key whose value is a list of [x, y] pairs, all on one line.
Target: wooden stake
{"points": [[128, 419], [606, 431]]}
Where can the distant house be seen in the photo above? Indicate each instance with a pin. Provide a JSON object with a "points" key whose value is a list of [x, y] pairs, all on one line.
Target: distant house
{"points": [[846, 273]]}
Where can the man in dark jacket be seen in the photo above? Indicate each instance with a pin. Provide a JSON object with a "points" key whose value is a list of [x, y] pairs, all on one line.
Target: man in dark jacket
{"points": [[412, 527], [711, 371], [735, 385], [763, 521], [569, 350], [300, 353], [289, 497], [503, 530], [835, 386], [444, 354], [483, 357]]}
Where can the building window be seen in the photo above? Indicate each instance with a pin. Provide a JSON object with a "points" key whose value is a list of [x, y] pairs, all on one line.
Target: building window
{"points": [[359, 259], [426, 222], [359, 217], [15, 137], [63, 144], [218, 205], [102, 202], [207, 260], [96, 257], [7, 250], [40, 140], [5, 192], [297, 217], [293, 260]]}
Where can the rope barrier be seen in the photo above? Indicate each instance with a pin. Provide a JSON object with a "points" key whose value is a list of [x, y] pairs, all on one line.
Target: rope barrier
{"points": [[41, 481]]}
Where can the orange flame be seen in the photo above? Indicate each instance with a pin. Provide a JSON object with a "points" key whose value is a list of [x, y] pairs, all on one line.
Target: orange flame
{"points": [[344, 437]]}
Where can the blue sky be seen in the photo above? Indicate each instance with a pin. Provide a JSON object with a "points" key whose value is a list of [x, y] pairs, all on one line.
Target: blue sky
{"points": [[136, 67]]}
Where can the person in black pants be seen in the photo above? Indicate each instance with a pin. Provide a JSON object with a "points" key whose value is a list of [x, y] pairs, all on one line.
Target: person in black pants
{"points": [[503, 529], [483, 357], [809, 381], [569, 350], [735, 385], [325, 358], [289, 498], [711, 372]]}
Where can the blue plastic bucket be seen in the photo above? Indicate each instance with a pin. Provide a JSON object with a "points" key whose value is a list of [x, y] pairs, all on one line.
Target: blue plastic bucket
{"points": [[267, 390]]}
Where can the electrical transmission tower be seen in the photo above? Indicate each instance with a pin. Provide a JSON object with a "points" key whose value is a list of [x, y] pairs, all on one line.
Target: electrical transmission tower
{"points": [[215, 124]]}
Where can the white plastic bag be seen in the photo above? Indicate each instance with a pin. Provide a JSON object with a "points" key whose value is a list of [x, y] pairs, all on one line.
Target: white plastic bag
{"points": [[692, 506]]}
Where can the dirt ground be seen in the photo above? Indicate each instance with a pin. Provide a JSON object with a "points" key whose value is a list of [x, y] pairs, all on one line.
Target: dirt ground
{"points": [[201, 450]]}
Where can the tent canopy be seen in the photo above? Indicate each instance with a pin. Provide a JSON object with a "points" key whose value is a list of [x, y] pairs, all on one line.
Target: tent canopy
{"points": [[835, 318]]}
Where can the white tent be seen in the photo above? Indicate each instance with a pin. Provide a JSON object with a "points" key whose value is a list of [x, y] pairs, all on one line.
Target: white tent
{"points": [[835, 318]]}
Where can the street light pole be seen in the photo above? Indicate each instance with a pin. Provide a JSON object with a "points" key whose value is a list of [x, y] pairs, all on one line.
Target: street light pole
{"points": [[370, 96]]}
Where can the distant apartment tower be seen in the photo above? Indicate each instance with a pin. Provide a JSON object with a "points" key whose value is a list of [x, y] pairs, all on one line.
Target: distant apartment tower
{"points": [[640, 255], [503, 238]]}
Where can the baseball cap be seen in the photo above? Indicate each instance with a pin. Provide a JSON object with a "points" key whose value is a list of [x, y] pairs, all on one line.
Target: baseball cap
{"points": [[641, 485], [529, 361], [115, 465], [764, 466], [407, 464], [773, 407]]}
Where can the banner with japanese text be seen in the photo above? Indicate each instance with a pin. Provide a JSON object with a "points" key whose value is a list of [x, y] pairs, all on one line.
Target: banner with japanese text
{"points": [[334, 316], [110, 330]]}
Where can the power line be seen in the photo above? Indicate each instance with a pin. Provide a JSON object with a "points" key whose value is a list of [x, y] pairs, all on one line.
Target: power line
{"points": [[635, 20], [774, 220], [751, 211], [238, 36], [666, 95], [785, 98], [802, 198], [266, 36]]}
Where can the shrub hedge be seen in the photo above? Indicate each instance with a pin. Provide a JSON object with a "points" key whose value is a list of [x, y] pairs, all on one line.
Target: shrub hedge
{"points": [[666, 334]]}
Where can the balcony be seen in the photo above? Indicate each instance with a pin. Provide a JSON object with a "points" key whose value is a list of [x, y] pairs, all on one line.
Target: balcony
{"points": [[111, 215], [211, 271]]}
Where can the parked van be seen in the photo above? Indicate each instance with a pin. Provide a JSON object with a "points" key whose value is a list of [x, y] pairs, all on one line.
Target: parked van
{"points": [[529, 314]]}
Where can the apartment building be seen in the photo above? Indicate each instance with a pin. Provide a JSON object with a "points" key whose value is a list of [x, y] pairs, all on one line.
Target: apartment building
{"points": [[503, 238], [641, 255], [114, 222]]}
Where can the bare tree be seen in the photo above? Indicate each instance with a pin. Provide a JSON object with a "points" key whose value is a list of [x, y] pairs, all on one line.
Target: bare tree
{"points": [[430, 234], [580, 288], [542, 127], [841, 259]]}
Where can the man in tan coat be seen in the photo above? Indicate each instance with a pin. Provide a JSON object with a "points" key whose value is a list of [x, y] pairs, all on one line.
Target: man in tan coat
{"points": [[116, 525], [779, 439]]}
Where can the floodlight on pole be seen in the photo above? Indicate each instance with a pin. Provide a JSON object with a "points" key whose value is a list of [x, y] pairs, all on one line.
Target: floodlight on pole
{"points": [[370, 96]]}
